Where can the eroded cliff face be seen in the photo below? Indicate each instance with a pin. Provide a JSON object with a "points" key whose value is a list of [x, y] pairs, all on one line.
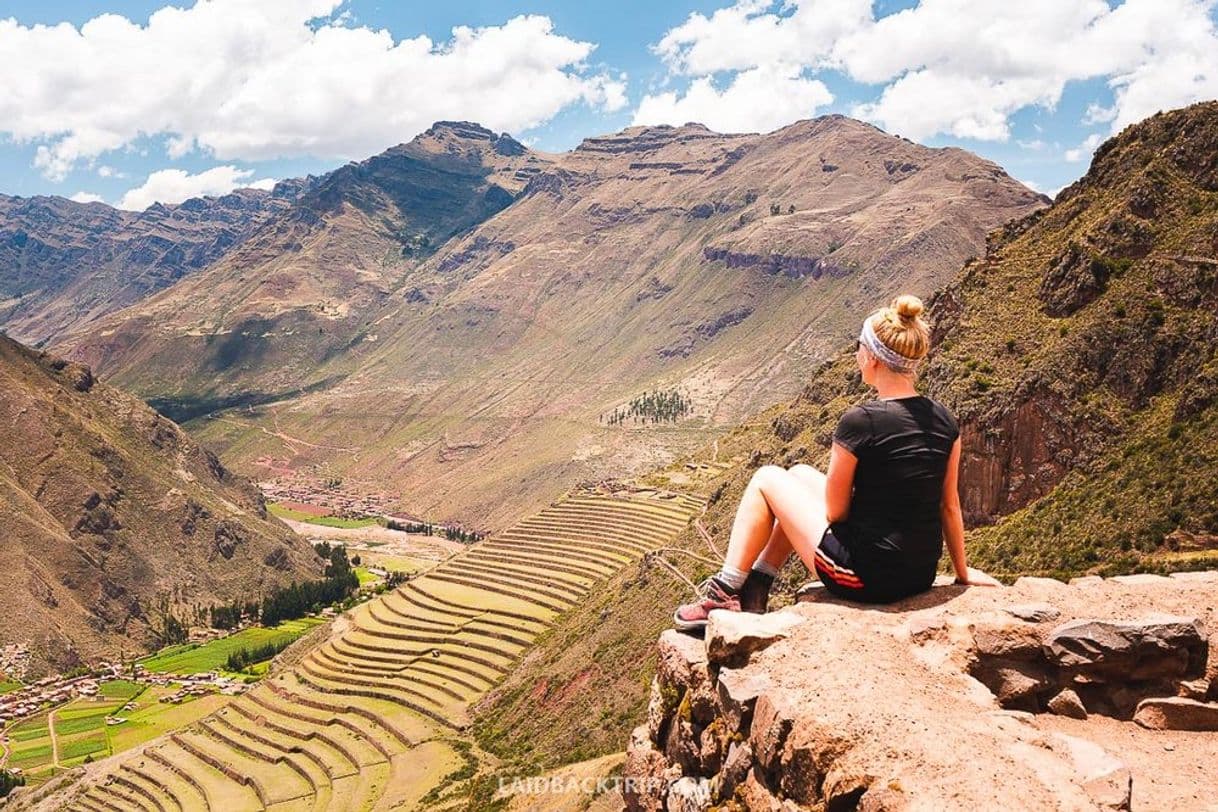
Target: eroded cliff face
{"points": [[1094, 695]]}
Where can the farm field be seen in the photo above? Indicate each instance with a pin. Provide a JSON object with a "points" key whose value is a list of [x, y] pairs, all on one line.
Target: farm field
{"points": [[375, 715], [391, 562], [192, 658], [81, 731], [8, 685], [309, 517]]}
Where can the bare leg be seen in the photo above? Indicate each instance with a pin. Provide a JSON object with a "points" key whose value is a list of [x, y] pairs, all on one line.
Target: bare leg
{"points": [[776, 494], [778, 548]]}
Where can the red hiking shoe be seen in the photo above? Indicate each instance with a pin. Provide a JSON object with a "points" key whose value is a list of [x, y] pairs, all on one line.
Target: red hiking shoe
{"points": [[712, 594]]}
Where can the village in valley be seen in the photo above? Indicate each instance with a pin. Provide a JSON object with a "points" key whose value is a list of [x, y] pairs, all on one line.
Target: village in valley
{"points": [[63, 720]]}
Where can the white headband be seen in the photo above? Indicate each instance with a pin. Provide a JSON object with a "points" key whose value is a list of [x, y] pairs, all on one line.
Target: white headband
{"points": [[891, 358]]}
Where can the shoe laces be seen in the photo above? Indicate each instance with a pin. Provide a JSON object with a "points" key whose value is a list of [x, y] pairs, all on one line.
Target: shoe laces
{"points": [[710, 588]]}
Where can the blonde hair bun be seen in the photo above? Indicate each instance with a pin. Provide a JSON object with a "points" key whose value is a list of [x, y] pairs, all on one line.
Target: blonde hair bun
{"points": [[900, 327], [908, 307]]}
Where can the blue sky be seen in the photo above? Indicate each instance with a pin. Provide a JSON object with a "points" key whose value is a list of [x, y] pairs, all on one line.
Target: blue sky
{"points": [[130, 103]]}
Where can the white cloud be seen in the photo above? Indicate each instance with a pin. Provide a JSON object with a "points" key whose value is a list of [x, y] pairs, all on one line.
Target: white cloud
{"points": [[104, 171], [757, 100], [1084, 150], [87, 197], [963, 67], [175, 185], [276, 78]]}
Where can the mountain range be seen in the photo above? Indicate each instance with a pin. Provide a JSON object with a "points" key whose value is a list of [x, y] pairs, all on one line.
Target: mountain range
{"points": [[64, 264], [466, 313]]}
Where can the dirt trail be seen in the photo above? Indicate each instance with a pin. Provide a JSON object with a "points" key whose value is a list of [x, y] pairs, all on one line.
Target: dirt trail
{"points": [[54, 739], [288, 440]]}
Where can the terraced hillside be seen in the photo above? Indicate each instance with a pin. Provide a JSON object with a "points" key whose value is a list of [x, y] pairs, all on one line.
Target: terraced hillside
{"points": [[375, 715]]}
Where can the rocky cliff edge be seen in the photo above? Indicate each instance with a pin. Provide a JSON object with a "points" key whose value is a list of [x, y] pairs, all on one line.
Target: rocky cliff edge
{"points": [[1097, 694]]}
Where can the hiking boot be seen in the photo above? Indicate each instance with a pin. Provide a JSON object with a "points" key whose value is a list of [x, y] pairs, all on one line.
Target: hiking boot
{"points": [[755, 592], [712, 594]]}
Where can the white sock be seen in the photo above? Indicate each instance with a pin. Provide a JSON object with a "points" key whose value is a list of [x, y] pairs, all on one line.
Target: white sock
{"points": [[766, 567], [732, 576]]}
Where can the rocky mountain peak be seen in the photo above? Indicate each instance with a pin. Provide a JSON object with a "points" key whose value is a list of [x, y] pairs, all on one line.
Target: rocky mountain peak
{"points": [[649, 138], [1183, 141]]}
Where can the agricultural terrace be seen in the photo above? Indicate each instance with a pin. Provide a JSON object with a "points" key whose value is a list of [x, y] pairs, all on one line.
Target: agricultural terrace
{"points": [[373, 716]]}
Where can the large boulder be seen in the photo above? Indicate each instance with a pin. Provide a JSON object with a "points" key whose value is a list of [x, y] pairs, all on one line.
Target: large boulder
{"points": [[1105, 650], [1177, 713], [732, 636]]}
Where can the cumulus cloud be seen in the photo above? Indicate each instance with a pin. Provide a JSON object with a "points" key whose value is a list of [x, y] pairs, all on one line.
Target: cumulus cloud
{"points": [[963, 67], [277, 78], [175, 185], [1084, 150], [87, 197], [757, 100]]}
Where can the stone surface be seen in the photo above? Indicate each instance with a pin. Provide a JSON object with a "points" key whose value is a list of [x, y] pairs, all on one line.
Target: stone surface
{"points": [[689, 795], [680, 657], [732, 636], [1105, 779], [737, 695], [1100, 650], [646, 767], [1067, 703], [1004, 637], [1177, 713], [735, 768], [1197, 689], [852, 708], [1034, 612]]}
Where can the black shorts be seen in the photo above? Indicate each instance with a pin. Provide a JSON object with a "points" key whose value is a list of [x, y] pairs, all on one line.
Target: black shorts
{"points": [[839, 569]]}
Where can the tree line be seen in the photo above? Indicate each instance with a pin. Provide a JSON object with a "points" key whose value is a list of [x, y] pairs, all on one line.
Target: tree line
{"points": [[429, 529], [299, 598], [244, 658], [652, 407]]}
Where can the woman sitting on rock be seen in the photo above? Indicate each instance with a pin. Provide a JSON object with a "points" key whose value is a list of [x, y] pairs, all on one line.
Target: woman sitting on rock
{"points": [[872, 528]]}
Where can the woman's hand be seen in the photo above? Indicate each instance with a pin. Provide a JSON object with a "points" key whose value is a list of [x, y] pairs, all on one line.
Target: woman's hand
{"points": [[977, 578]]}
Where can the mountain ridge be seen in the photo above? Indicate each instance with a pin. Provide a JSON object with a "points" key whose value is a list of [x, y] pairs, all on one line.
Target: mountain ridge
{"points": [[664, 264], [115, 519], [64, 264]]}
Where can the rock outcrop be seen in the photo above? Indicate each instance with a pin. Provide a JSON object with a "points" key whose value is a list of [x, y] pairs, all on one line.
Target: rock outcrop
{"points": [[1101, 694]]}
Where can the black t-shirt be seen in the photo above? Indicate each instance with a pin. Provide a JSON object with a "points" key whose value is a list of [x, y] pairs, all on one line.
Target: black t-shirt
{"points": [[902, 446]]}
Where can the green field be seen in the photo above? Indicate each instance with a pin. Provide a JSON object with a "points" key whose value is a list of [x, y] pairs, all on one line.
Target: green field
{"points": [[152, 717], [121, 689], [8, 685], [81, 746], [193, 658], [392, 563], [325, 521], [365, 577], [82, 731]]}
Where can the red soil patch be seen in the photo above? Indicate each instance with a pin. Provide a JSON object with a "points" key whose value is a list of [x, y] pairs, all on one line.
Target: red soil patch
{"points": [[301, 507]]}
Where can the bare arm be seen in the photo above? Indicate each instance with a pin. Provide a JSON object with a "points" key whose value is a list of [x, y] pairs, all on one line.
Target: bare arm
{"points": [[952, 516], [839, 485]]}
